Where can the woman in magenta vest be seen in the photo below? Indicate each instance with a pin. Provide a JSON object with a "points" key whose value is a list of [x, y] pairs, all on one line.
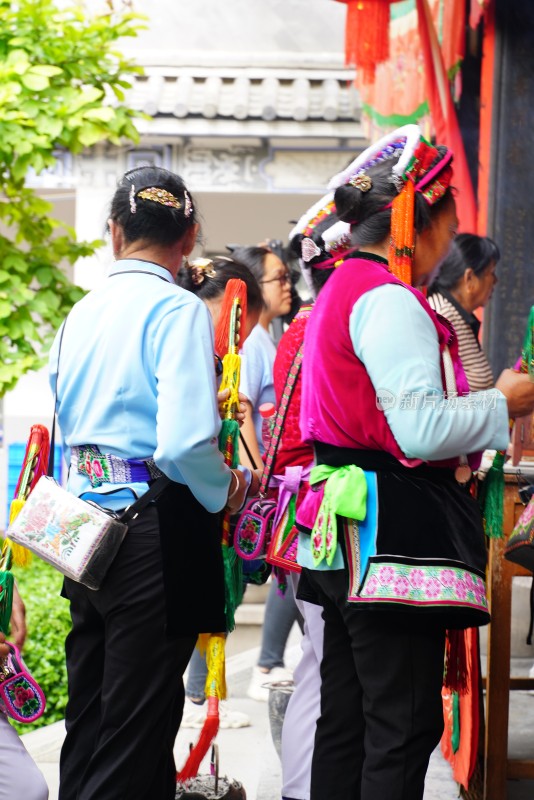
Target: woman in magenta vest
{"points": [[391, 543]]}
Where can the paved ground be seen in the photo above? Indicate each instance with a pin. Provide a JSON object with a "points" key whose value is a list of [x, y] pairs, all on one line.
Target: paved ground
{"points": [[248, 754]]}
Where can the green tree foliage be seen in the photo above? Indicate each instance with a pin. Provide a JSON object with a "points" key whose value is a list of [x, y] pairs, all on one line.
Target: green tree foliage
{"points": [[62, 85], [48, 620]]}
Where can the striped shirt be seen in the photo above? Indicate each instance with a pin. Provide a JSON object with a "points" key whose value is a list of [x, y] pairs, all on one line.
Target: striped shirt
{"points": [[466, 325]]}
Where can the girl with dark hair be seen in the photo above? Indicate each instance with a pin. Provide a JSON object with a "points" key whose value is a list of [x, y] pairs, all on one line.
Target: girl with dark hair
{"points": [[136, 389], [465, 282], [391, 542], [207, 278], [257, 385], [260, 350]]}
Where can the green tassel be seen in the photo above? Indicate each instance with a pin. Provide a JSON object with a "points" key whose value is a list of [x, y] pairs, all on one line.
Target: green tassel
{"points": [[229, 442], [233, 581], [291, 517], [6, 599], [233, 568], [455, 734], [493, 498]]}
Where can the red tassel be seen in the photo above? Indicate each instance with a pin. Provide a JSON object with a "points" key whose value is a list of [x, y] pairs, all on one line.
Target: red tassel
{"points": [[235, 289], [456, 675], [367, 35], [207, 735]]}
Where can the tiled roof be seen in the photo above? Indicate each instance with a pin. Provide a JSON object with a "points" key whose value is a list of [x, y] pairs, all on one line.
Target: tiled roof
{"points": [[247, 93]]}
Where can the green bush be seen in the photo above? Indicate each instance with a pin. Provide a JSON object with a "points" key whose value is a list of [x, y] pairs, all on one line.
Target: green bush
{"points": [[48, 622]]}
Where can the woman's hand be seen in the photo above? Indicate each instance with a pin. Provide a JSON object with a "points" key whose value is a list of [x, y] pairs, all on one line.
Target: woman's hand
{"points": [[242, 408], [518, 388], [255, 482], [4, 649], [237, 491]]}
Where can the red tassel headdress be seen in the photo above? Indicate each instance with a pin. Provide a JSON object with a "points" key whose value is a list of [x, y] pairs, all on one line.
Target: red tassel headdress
{"points": [[417, 166]]}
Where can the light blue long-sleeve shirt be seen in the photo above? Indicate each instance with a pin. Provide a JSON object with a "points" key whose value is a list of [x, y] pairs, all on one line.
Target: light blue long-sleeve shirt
{"points": [[137, 379], [396, 340]]}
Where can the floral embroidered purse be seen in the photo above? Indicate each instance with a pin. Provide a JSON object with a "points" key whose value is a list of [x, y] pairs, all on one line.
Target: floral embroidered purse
{"points": [[520, 546], [255, 524], [21, 697]]}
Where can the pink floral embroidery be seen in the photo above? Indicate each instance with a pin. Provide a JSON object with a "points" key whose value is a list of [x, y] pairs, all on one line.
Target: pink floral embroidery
{"points": [[38, 517], [469, 582], [97, 468], [21, 696], [372, 585], [447, 578], [386, 574], [432, 587], [417, 578], [401, 586], [460, 589], [317, 542], [480, 595]]}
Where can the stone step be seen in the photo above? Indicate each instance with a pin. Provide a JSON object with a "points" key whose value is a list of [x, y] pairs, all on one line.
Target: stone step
{"points": [[250, 614]]}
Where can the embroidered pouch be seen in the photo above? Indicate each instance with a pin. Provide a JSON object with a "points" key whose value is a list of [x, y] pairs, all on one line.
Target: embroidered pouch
{"points": [[21, 697], [254, 528], [77, 538], [520, 546], [282, 550]]}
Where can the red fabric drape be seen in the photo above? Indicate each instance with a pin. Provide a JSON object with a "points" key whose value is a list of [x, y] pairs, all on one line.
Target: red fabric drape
{"points": [[444, 116]]}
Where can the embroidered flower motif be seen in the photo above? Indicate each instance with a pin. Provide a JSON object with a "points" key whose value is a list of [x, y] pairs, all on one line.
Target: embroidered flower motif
{"points": [[97, 468], [22, 695], [318, 542], [460, 589], [38, 517], [432, 588], [469, 582], [372, 585], [401, 586], [447, 578], [386, 575], [417, 577]]}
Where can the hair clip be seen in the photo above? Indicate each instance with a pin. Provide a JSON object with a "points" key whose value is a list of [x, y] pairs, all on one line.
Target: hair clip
{"points": [[201, 268], [161, 196], [188, 205], [362, 182], [309, 249], [133, 207]]}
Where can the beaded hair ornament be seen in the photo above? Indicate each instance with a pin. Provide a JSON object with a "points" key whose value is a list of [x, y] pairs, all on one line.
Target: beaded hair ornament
{"points": [[159, 195], [202, 268], [334, 237], [418, 166]]}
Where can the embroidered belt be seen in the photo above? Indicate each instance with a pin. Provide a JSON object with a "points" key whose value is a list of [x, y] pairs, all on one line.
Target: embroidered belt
{"points": [[106, 468]]}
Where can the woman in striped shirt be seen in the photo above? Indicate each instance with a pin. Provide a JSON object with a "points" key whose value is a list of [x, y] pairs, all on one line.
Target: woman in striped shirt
{"points": [[465, 282]]}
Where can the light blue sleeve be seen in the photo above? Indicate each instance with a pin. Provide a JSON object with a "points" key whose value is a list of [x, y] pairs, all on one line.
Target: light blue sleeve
{"points": [[188, 421], [397, 342]]}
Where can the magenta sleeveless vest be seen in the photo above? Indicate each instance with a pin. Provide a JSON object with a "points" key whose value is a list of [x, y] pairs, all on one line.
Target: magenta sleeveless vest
{"points": [[339, 404]]}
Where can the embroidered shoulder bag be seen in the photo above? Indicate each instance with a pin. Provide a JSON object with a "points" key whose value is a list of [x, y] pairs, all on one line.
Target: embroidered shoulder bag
{"points": [[255, 524], [80, 539]]}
